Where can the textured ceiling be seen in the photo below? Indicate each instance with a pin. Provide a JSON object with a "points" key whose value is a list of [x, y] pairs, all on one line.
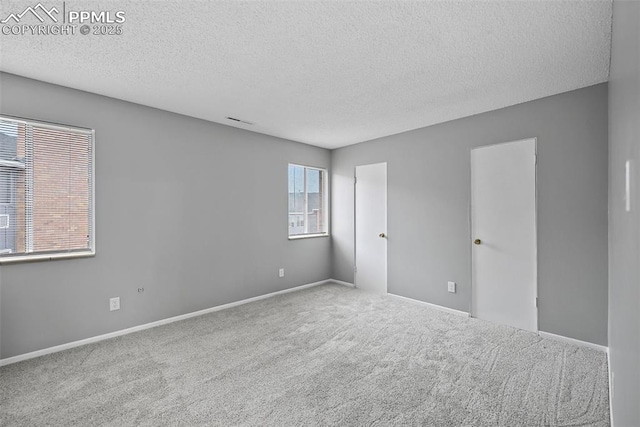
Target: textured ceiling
{"points": [[326, 73]]}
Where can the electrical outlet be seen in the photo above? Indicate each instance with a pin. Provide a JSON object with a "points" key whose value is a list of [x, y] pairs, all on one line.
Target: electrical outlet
{"points": [[451, 287], [114, 304], [281, 272]]}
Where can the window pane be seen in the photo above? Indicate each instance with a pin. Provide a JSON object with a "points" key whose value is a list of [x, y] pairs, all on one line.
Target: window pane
{"points": [[314, 201], [8, 140], [307, 201], [296, 200], [60, 197], [46, 188], [11, 177]]}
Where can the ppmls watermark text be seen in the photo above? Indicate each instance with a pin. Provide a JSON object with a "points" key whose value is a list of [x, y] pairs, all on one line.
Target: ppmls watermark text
{"points": [[41, 20]]}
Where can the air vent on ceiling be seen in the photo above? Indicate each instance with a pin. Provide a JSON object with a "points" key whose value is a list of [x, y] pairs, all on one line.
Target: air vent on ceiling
{"points": [[238, 120]]}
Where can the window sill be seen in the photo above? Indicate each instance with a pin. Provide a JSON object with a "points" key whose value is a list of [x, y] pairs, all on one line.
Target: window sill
{"points": [[308, 236], [46, 257]]}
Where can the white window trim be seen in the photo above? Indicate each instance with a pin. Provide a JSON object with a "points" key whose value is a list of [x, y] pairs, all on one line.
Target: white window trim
{"points": [[71, 254], [307, 236], [326, 216], [47, 257]]}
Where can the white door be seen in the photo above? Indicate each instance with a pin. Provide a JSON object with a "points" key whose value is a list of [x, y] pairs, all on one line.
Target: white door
{"points": [[503, 227], [371, 227]]}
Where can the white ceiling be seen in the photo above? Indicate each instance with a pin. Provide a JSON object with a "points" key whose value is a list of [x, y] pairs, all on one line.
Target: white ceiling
{"points": [[326, 73]]}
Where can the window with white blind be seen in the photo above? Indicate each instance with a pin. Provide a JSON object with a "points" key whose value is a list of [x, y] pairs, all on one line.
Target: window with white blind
{"points": [[46, 190], [308, 213]]}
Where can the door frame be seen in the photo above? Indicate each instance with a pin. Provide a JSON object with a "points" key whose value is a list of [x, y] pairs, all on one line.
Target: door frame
{"points": [[535, 223], [355, 213]]}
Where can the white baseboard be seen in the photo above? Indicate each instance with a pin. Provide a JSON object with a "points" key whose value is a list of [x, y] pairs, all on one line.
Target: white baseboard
{"points": [[434, 306], [340, 282], [573, 341], [57, 348], [610, 388]]}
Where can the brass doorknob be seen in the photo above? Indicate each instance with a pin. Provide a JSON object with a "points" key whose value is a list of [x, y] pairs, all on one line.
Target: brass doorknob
{"points": [[477, 241], [382, 235]]}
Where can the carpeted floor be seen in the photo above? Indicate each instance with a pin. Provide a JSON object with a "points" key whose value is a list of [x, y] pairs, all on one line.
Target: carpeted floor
{"points": [[328, 355]]}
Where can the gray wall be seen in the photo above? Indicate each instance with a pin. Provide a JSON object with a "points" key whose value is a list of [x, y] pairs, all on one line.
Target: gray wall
{"points": [[178, 198], [624, 231], [428, 207], [194, 212]]}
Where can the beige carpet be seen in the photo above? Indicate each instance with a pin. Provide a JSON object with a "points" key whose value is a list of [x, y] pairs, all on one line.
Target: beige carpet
{"points": [[328, 355]]}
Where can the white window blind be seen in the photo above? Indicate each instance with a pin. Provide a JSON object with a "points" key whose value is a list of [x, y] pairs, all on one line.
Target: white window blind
{"points": [[46, 189]]}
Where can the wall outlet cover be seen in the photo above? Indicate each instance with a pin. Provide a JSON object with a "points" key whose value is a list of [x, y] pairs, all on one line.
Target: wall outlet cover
{"points": [[627, 185], [451, 287], [114, 304]]}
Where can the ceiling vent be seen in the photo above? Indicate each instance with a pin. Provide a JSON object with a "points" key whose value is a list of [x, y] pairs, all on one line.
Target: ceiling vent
{"points": [[240, 121]]}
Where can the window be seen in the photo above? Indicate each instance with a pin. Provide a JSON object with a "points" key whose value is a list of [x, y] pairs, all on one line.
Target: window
{"points": [[308, 214], [46, 190]]}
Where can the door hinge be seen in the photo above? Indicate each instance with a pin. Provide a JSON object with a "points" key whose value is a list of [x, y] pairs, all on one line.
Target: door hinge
{"points": [[536, 302], [535, 157], [355, 180], [355, 268]]}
